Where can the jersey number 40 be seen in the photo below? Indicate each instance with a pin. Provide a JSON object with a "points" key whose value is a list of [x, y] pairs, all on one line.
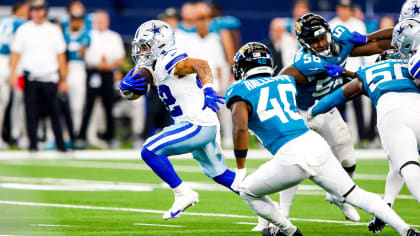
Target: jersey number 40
{"points": [[280, 104]]}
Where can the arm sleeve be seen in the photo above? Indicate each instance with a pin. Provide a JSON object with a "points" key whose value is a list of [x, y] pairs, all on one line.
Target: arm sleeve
{"points": [[328, 102]]}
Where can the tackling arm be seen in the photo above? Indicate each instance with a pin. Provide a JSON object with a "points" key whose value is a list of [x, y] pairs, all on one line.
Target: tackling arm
{"points": [[295, 73], [380, 34], [339, 96], [371, 48]]}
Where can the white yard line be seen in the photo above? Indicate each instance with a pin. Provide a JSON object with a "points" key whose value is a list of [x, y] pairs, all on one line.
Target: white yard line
{"points": [[161, 212], [157, 225], [135, 154]]}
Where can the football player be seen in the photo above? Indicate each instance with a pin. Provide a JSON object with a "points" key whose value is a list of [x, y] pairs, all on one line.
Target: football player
{"points": [[397, 100], [266, 105], [185, 87], [314, 80]]}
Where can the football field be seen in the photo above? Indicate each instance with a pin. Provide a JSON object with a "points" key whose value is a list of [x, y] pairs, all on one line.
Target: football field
{"points": [[68, 196]]}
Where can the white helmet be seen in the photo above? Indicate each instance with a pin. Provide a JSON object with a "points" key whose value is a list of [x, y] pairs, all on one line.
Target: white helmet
{"points": [[410, 9], [152, 39], [406, 36]]}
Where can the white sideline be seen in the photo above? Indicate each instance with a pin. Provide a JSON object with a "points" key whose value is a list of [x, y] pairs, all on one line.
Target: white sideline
{"points": [[135, 154], [161, 212]]}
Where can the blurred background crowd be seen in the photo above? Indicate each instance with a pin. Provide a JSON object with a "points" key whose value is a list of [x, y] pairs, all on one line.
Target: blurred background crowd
{"points": [[61, 62]]}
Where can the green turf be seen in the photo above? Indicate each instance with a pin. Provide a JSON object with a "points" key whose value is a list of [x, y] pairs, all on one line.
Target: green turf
{"points": [[26, 220]]}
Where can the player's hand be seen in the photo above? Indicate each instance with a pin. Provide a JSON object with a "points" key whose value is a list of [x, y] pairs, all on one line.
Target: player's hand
{"points": [[132, 84], [211, 98], [358, 38], [239, 178], [334, 70]]}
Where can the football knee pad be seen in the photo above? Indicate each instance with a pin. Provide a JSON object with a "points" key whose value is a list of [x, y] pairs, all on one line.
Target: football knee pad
{"points": [[409, 163]]}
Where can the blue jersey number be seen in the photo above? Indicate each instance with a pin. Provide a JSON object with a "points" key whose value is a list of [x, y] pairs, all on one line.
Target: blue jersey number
{"points": [[169, 100], [277, 110]]}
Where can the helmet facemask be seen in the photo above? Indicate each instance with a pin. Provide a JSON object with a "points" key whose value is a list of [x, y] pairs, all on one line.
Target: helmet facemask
{"points": [[142, 54]]}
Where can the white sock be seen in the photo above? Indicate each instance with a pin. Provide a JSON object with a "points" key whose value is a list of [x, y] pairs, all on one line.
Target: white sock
{"points": [[267, 209], [394, 183], [286, 197], [411, 175], [373, 204]]}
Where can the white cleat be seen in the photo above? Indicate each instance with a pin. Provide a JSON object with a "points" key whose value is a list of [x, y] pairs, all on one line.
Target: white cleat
{"points": [[262, 224], [348, 210], [183, 200]]}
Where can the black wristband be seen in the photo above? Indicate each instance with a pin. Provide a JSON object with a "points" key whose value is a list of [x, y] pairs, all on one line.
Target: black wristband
{"points": [[240, 153]]}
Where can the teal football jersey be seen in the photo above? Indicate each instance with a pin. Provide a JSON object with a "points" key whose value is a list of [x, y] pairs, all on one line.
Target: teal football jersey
{"points": [[274, 117], [75, 41], [8, 27], [386, 76], [312, 66]]}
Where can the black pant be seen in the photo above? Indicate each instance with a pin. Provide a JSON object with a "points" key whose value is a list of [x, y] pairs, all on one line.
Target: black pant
{"points": [[106, 91], [40, 96]]}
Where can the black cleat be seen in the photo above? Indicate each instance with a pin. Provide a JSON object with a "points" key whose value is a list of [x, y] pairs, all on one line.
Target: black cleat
{"points": [[413, 232], [376, 225], [275, 231]]}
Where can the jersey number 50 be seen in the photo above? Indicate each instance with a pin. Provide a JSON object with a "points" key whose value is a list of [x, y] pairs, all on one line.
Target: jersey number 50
{"points": [[277, 110]]}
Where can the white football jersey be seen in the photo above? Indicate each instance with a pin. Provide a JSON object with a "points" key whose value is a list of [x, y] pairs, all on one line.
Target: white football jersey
{"points": [[183, 97]]}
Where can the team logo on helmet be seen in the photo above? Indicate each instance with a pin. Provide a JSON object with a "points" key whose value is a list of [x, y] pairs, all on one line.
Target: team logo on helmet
{"points": [[298, 28]]}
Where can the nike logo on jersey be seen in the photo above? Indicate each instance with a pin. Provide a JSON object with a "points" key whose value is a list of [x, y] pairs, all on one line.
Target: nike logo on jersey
{"points": [[176, 213]]}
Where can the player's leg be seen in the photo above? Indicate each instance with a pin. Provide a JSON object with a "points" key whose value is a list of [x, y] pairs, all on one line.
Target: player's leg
{"points": [[335, 131], [176, 139], [338, 183], [271, 177], [400, 144], [211, 159]]}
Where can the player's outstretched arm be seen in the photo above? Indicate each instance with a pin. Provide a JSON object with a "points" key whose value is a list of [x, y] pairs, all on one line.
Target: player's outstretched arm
{"points": [[371, 48], [295, 73], [240, 111], [380, 34], [339, 96]]}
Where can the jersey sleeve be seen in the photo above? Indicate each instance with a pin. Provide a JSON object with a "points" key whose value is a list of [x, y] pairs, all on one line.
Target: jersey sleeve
{"points": [[171, 58], [341, 33], [236, 92], [308, 64]]}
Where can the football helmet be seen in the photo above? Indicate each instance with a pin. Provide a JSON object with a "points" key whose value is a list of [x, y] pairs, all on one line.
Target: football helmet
{"points": [[152, 39], [410, 9], [309, 28], [406, 37], [251, 59], [388, 54]]}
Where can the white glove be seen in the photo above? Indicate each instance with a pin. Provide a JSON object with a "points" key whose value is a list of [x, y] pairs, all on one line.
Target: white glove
{"points": [[239, 178]]}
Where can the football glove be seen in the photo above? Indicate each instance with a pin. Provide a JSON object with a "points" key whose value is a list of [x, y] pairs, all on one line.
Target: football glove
{"points": [[334, 70], [211, 98], [358, 38], [130, 82], [239, 178]]}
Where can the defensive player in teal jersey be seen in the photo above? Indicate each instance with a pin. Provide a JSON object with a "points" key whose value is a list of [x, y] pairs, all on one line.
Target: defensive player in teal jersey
{"points": [[8, 27], [397, 100], [266, 105], [315, 77]]}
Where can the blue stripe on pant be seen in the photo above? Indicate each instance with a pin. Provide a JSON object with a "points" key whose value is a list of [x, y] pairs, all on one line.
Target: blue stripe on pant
{"points": [[184, 137]]}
